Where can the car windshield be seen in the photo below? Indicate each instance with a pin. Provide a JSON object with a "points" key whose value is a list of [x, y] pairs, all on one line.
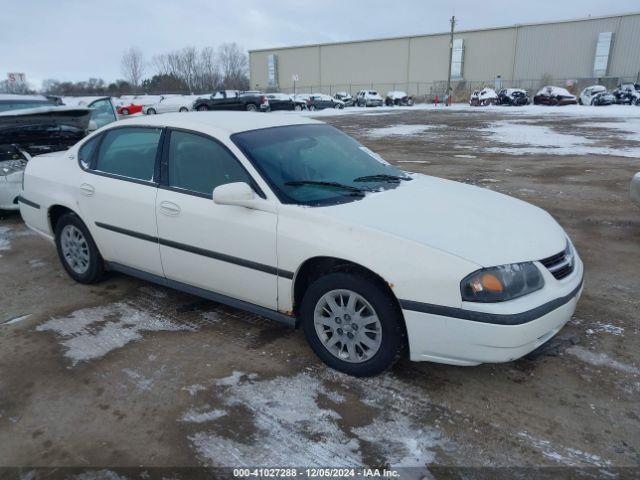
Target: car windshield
{"points": [[316, 164]]}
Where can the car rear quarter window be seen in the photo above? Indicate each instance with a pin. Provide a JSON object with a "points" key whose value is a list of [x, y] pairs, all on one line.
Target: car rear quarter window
{"points": [[85, 154], [129, 152], [200, 164]]}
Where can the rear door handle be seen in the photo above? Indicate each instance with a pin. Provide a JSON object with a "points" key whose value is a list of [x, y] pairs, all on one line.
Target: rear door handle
{"points": [[170, 208], [87, 189]]}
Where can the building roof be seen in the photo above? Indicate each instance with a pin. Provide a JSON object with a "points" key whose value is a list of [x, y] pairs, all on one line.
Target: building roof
{"points": [[457, 32]]}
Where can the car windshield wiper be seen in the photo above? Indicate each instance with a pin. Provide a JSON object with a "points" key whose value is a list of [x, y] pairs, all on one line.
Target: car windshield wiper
{"points": [[382, 178], [299, 183]]}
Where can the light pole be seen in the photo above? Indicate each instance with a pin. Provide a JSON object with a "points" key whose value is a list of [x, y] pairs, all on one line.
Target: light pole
{"points": [[453, 24]]}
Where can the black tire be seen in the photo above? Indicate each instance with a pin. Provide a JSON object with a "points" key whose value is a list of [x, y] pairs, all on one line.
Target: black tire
{"points": [[151, 111], [251, 107], [387, 310], [183, 109], [203, 108], [125, 111], [96, 265]]}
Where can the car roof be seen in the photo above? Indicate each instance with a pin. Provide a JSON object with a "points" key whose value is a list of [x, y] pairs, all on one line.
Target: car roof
{"points": [[231, 122], [16, 97]]}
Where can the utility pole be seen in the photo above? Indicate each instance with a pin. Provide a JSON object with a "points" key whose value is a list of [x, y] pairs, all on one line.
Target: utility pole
{"points": [[453, 24]]}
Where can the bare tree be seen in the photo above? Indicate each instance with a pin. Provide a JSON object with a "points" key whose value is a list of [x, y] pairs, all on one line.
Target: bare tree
{"points": [[133, 66], [233, 66]]}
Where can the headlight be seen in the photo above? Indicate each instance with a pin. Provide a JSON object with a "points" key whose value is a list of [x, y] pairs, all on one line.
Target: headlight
{"points": [[12, 166], [497, 284]]}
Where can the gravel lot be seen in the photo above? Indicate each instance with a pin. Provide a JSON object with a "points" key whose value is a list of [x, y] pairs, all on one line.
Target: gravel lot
{"points": [[124, 373]]}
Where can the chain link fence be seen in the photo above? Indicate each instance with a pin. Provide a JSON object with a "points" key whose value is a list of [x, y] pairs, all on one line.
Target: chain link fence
{"points": [[461, 89]]}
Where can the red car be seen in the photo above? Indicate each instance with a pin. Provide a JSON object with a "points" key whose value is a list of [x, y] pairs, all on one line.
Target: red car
{"points": [[129, 109]]}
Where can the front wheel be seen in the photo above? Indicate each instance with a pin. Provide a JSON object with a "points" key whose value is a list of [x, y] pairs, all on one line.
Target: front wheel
{"points": [[183, 109], [251, 107], [352, 324], [151, 111], [203, 108], [125, 111], [77, 250]]}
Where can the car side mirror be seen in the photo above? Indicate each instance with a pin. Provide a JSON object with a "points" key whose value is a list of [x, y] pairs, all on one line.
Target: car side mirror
{"points": [[93, 126], [240, 194]]}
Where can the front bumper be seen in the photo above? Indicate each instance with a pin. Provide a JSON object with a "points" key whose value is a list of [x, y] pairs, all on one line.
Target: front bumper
{"points": [[438, 336]]}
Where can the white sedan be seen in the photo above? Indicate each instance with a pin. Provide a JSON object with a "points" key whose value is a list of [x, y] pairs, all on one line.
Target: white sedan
{"points": [[294, 220]]}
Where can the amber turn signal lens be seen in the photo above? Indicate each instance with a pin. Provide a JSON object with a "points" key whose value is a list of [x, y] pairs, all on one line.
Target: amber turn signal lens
{"points": [[491, 282]]}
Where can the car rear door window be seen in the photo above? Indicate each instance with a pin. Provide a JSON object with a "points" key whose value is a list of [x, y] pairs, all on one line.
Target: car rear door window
{"points": [[85, 154], [200, 164], [129, 152]]}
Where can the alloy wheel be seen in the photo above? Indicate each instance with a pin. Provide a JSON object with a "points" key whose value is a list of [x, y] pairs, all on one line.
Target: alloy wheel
{"points": [[75, 249], [347, 326]]}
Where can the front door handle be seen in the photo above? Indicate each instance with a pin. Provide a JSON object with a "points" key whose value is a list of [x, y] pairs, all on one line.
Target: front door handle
{"points": [[87, 189], [170, 208]]}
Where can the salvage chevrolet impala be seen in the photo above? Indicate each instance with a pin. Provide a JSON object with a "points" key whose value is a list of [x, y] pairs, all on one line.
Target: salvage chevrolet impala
{"points": [[292, 219]]}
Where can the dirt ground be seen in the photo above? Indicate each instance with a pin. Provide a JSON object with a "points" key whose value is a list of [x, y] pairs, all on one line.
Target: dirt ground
{"points": [[128, 374]]}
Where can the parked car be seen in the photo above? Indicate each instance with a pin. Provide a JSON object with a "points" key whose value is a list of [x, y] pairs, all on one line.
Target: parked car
{"points": [[171, 103], [31, 125], [282, 101], [634, 189], [512, 96], [320, 101], [369, 98], [398, 98], [129, 109], [344, 97], [627, 94], [463, 279], [233, 100], [551, 95], [484, 97], [596, 95]]}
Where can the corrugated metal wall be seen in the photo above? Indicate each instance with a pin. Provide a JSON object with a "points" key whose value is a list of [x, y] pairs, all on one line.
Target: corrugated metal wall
{"points": [[563, 50]]}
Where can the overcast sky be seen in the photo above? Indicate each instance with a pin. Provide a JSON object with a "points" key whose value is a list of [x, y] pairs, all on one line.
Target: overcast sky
{"points": [[78, 39]]}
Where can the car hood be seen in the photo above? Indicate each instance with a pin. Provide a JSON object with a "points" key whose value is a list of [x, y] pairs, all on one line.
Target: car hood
{"points": [[44, 129], [479, 225]]}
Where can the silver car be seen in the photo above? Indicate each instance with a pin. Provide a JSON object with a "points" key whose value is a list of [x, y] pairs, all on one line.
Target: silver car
{"points": [[634, 189]]}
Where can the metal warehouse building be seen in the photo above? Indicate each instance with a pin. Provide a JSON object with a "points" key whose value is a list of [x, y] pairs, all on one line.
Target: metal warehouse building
{"points": [[602, 49]]}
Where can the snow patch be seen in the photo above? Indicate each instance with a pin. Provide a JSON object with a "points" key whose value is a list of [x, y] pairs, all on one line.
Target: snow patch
{"points": [[5, 244], [599, 359], [524, 138], [398, 130], [196, 416], [16, 319], [566, 456], [91, 333], [296, 426]]}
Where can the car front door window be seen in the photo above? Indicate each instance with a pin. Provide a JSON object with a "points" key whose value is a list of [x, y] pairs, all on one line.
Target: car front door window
{"points": [[199, 164], [102, 112]]}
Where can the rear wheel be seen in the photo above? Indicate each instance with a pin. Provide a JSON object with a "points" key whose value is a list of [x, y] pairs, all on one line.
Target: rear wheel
{"points": [[183, 109], [77, 250], [203, 108], [251, 107], [125, 111], [151, 111], [352, 324]]}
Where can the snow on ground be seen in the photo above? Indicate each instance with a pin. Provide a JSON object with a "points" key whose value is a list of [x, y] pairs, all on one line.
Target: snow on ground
{"points": [[599, 359], [564, 455], [297, 423], [5, 244], [398, 130], [522, 138], [91, 333]]}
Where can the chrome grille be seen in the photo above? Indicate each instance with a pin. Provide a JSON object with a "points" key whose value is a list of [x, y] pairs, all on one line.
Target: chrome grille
{"points": [[561, 264]]}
